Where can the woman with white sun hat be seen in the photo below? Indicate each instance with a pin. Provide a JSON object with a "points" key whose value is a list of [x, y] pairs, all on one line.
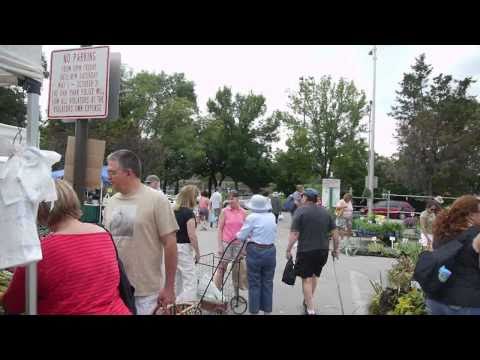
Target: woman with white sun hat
{"points": [[260, 232]]}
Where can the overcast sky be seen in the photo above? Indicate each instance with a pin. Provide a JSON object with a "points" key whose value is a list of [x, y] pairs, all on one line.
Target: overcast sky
{"points": [[273, 71]]}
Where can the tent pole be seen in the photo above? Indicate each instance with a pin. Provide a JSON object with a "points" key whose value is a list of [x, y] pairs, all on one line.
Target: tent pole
{"points": [[33, 139]]}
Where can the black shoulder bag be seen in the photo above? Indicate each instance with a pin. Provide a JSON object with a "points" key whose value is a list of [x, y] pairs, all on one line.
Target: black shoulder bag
{"points": [[429, 262], [127, 291]]}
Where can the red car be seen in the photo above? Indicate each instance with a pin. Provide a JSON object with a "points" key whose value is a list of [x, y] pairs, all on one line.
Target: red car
{"points": [[397, 209]]}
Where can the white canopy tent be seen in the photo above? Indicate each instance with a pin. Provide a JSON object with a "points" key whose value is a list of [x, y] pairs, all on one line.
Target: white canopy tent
{"points": [[24, 63]]}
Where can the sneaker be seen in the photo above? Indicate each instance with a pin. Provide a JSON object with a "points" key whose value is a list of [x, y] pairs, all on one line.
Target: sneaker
{"points": [[310, 312]]}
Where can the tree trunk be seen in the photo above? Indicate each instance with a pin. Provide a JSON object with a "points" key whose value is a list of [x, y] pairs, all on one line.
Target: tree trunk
{"points": [[221, 179], [210, 185], [177, 186], [165, 185], [236, 185]]}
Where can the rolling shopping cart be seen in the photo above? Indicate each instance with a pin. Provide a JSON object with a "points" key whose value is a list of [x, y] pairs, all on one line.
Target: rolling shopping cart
{"points": [[228, 298]]}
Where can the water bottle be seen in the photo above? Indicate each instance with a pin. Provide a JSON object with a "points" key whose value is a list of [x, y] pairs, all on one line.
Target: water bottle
{"points": [[443, 274]]}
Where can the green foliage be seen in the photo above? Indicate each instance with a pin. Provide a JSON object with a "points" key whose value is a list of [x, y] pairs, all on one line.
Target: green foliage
{"points": [[411, 250], [381, 230], [386, 169], [13, 108], [411, 303], [295, 165], [156, 121], [399, 298], [243, 145], [325, 134], [390, 252], [376, 247], [437, 132], [400, 275]]}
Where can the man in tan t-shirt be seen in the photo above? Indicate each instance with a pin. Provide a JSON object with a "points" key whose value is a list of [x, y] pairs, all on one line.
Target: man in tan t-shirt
{"points": [[144, 227]]}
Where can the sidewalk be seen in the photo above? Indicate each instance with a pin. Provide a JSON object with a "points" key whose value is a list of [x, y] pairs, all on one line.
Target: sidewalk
{"points": [[353, 274]]}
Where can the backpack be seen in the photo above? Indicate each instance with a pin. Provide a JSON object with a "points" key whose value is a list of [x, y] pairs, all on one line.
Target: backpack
{"points": [[289, 203], [430, 262]]}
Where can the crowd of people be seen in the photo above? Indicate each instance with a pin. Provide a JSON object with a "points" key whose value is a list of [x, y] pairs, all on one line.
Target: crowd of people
{"points": [[157, 246]]}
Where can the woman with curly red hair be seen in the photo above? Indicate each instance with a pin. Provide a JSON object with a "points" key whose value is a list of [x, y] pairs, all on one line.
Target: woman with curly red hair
{"points": [[461, 294]]}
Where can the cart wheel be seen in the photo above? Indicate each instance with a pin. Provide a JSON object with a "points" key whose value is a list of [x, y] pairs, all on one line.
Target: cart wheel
{"points": [[238, 304]]}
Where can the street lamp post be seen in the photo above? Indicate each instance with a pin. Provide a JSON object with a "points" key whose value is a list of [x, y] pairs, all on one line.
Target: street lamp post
{"points": [[372, 136]]}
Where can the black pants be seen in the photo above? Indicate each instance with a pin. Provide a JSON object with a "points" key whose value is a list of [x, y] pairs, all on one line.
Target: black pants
{"points": [[276, 218]]}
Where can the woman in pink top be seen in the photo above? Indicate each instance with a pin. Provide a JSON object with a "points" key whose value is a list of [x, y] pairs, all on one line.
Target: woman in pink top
{"points": [[229, 224], [79, 272], [203, 209]]}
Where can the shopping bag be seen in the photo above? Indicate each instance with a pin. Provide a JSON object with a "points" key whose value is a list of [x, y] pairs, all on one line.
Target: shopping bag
{"points": [[212, 294], [239, 274], [289, 273]]}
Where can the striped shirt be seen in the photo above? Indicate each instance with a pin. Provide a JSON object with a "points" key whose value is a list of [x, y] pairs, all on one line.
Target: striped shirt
{"points": [[78, 275]]}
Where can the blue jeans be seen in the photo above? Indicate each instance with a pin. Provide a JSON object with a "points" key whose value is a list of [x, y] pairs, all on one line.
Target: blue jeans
{"points": [[437, 308], [261, 264]]}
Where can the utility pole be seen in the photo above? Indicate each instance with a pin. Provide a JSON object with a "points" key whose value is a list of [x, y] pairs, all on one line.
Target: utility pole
{"points": [[371, 160]]}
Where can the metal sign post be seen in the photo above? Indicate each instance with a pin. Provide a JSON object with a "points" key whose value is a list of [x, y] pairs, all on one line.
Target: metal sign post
{"points": [[33, 139]]}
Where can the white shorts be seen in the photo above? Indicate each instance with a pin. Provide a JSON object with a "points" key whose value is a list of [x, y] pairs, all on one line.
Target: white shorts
{"points": [[146, 304], [423, 240]]}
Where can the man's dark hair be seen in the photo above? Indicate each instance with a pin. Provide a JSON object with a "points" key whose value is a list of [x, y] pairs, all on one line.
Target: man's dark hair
{"points": [[127, 160], [313, 199], [204, 193], [433, 203], [233, 194]]}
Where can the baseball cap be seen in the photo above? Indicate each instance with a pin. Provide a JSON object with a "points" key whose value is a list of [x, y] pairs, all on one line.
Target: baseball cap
{"points": [[151, 178], [310, 193], [439, 200]]}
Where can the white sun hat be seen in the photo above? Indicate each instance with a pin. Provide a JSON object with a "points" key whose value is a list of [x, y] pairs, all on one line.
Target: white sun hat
{"points": [[259, 203]]}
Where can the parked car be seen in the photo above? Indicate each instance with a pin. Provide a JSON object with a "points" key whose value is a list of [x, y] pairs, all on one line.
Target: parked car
{"points": [[397, 209]]}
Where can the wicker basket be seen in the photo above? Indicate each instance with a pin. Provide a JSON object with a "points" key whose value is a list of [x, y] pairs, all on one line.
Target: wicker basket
{"points": [[214, 307], [176, 309]]}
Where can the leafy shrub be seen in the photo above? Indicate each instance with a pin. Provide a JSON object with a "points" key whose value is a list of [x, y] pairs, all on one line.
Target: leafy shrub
{"points": [[411, 250], [387, 301], [374, 247], [389, 252], [400, 275], [411, 303], [382, 230]]}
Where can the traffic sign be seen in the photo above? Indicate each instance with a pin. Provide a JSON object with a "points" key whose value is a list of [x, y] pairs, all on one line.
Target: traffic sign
{"points": [[79, 83]]}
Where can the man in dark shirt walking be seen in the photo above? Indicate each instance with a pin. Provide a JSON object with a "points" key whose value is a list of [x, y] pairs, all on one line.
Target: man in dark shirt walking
{"points": [[311, 227]]}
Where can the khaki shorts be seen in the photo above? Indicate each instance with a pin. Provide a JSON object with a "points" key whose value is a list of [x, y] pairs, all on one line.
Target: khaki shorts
{"points": [[231, 253], [344, 224]]}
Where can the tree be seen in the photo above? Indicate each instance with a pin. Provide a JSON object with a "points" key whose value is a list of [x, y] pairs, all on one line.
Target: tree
{"points": [[294, 166], [155, 112], [331, 115], [389, 176], [12, 106], [244, 136], [438, 130], [176, 131]]}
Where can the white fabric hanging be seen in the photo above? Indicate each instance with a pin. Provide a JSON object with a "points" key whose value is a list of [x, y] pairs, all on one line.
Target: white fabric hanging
{"points": [[20, 61], [25, 181]]}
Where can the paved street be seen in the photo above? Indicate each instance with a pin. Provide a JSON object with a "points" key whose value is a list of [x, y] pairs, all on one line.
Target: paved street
{"points": [[353, 274]]}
